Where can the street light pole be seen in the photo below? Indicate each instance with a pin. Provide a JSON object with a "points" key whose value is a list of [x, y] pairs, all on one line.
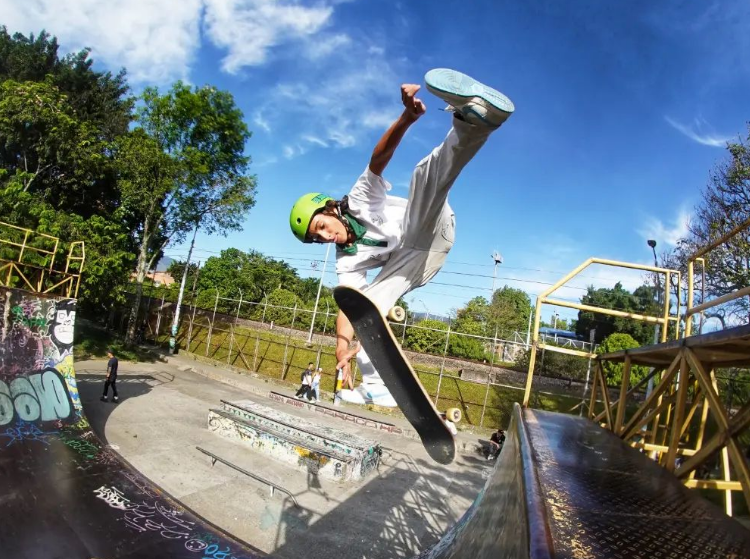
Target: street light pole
{"points": [[317, 297], [497, 259], [652, 244]]}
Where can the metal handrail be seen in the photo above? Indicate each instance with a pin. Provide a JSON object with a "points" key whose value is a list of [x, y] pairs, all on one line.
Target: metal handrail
{"points": [[271, 484]]}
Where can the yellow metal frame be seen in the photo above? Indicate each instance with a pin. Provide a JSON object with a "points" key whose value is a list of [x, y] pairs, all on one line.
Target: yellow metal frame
{"points": [[544, 298], [34, 277], [686, 389]]}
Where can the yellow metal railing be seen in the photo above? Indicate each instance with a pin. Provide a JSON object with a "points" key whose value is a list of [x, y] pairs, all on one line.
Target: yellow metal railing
{"points": [[544, 299], [27, 261]]}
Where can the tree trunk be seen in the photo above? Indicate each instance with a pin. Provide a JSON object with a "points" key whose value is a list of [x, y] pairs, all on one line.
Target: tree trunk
{"points": [[176, 318], [139, 277]]}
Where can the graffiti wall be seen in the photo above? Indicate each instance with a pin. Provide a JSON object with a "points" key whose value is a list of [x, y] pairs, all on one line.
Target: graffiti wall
{"points": [[65, 493]]}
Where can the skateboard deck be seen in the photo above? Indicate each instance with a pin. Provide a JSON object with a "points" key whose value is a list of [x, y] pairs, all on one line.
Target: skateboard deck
{"points": [[389, 360]]}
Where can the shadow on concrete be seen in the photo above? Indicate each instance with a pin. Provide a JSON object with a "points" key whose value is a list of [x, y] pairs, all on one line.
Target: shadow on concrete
{"points": [[405, 515]]}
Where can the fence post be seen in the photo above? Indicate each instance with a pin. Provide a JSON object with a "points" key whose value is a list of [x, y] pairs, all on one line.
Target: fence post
{"points": [[286, 345], [211, 326], [158, 316], [442, 365], [489, 378], [190, 328], [265, 306], [231, 329]]}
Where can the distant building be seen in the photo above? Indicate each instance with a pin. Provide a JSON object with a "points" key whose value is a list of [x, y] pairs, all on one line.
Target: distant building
{"points": [[159, 278]]}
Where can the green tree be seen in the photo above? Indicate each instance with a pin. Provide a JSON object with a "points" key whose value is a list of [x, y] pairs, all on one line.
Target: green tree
{"points": [[508, 312], [46, 149], [466, 339], [427, 336], [251, 273], [71, 115], [642, 301], [613, 371], [725, 203], [199, 177]]}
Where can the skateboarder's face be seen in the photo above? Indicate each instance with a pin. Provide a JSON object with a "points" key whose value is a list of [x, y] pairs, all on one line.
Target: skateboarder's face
{"points": [[326, 228]]}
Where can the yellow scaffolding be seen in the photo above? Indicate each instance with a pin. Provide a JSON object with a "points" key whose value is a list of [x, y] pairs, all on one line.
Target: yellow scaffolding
{"points": [[28, 261], [686, 390]]}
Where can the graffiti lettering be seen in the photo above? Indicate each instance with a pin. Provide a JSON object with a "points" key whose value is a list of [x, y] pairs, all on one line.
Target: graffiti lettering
{"points": [[143, 517], [19, 316], [113, 497], [195, 545], [84, 448], [26, 432], [40, 396]]}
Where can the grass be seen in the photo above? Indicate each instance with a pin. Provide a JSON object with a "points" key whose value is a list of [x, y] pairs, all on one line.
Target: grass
{"points": [[91, 342]]}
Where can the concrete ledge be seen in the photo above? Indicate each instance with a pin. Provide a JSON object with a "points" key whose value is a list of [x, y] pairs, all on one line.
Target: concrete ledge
{"points": [[323, 451]]}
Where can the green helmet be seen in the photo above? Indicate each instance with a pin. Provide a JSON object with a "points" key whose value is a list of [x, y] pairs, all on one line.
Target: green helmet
{"points": [[303, 211]]}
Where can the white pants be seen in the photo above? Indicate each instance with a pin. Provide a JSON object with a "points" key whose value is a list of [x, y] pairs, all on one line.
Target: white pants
{"points": [[429, 225]]}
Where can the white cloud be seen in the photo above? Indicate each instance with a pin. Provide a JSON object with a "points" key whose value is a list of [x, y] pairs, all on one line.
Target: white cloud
{"points": [[321, 47], [696, 132], [667, 232], [155, 40], [314, 140], [382, 119], [261, 121], [248, 29]]}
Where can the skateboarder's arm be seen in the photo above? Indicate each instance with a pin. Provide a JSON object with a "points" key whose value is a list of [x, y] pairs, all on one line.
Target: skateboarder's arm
{"points": [[344, 337], [413, 109]]}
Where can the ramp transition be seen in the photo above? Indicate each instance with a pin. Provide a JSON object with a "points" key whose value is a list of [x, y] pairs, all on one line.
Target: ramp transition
{"points": [[562, 487]]}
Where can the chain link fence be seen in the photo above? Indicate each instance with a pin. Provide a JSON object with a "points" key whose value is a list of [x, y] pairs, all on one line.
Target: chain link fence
{"points": [[277, 341]]}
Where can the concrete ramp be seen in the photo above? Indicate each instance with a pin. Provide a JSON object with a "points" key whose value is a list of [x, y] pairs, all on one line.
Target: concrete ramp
{"points": [[63, 494]]}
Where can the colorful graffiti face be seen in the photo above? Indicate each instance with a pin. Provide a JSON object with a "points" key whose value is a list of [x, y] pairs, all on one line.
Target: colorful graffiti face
{"points": [[63, 329]]}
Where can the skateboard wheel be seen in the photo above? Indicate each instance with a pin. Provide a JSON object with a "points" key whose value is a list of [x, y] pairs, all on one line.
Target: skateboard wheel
{"points": [[397, 314], [453, 415]]}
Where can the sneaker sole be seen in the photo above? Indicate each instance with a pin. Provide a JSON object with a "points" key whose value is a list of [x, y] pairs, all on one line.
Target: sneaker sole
{"points": [[457, 88]]}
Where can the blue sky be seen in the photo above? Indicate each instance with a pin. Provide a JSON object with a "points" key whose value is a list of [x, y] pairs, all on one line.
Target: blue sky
{"points": [[622, 110]]}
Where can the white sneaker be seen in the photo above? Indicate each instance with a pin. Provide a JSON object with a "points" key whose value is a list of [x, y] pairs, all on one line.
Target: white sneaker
{"points": [[376, 394], [472, 101]]}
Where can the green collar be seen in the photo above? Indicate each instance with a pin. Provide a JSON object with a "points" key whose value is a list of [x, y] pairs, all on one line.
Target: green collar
{"points": [[359, 231]]}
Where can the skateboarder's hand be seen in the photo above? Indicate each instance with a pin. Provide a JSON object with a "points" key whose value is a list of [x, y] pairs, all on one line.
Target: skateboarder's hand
{"points": [[344, 358], [414, 106]]}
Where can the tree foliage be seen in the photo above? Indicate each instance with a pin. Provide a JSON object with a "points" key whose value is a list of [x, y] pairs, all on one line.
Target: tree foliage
{"points": [[641, 301], [427, 336], [724, 204], [182, 169], [613, 371], [58, 118]]}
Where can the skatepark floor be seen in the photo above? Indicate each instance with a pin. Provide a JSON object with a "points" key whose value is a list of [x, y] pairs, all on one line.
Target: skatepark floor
{"points": [[401, 509]]}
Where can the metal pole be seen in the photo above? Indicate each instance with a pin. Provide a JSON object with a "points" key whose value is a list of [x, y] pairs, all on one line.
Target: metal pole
{"points": [[489, 378], [528, 330], [231, 333], [652, 244], [442, 365], [317, 297], [211, 326], [190, 330]]}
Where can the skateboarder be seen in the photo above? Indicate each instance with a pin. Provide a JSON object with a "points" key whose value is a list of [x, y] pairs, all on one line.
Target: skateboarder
{"points": [[409, 239], [111, 378]]}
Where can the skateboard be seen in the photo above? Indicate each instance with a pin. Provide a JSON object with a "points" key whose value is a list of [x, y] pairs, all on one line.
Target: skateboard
{"points": [[386, 355]]}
